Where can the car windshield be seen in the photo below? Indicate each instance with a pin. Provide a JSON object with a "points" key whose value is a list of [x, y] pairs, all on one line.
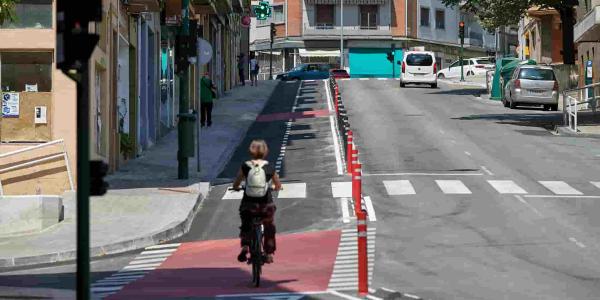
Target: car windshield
{"points": [[536, 74], [299, 68], [419, 60]]}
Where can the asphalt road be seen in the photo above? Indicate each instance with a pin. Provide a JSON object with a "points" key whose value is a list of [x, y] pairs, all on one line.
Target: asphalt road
{"points": [[481, 244]]}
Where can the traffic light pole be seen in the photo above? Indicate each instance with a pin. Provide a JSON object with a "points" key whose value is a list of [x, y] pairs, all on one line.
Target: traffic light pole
{"points": [[462, 75], [182, 160], [83, 184], [271, 61]]}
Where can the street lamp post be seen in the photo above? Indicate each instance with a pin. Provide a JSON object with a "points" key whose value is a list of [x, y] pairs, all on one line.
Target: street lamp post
{"points": [[341, 34]]}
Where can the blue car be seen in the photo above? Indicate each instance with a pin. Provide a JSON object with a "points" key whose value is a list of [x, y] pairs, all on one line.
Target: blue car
{"points": [[306, 72]]}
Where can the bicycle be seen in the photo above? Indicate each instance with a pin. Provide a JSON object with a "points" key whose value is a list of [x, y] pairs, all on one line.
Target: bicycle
{"points": [[257, 255]]}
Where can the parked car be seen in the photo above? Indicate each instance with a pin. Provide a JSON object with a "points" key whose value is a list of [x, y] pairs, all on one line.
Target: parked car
{"points": [[339, 73], [419, 67], [471, 67], [532, 85], [306, 71]]}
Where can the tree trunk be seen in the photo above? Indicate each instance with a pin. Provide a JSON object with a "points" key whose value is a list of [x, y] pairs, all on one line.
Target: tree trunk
{"points": [[568, 19]]}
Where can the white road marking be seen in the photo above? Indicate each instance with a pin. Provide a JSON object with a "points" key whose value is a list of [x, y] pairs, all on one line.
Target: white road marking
{"points": [[345, 210], [452, 187], [487, 170], [370, 209], [399, 187], [233, 195], [120, 278], [106, 289], [468, 153], [373, 297], [336, 293], [558, 196], [537, 212], [560, 188], [506, 187], [152, 265], [268, 294], [382, 78], [578, 243], [138, 261], [334, 136], [158, 251], [341, 189], [421, 174], [363, 79], [292, 190], [596, 183], [174, 245]]}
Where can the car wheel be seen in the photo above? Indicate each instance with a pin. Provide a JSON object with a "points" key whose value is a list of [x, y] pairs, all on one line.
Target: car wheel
{"points": [[554, 107], [504, 102], [434, 85], [546, 107], [402, 84], [441, 76], [512, 104]]}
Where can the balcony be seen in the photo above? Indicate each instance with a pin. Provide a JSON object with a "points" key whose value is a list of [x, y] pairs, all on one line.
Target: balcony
{"points": [[588, 28], [329, 31]]}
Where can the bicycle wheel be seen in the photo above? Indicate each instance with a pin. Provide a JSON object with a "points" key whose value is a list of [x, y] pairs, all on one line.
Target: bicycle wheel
{"points": [[257, 257]]}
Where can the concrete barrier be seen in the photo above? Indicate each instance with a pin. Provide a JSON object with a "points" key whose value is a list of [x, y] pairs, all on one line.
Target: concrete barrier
{"points": [[29, 214]]}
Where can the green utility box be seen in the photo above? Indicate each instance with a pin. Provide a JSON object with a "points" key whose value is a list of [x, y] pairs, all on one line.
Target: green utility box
{"points": [[188, 122], [504, 70]]}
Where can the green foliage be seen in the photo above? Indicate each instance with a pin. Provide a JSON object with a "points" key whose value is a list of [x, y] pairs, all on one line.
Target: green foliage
{"points": [[127, 146], [496, 13], [7, 11]]}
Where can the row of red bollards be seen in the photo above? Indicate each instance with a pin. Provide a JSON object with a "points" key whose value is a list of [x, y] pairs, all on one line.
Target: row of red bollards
{"points": [[354, 169]]}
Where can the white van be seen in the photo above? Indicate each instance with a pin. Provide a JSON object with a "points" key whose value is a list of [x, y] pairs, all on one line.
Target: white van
{"points": [[419, 67]]}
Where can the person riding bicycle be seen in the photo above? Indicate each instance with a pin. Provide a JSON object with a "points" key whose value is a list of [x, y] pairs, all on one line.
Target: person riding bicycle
{"points": [[257, 199]]}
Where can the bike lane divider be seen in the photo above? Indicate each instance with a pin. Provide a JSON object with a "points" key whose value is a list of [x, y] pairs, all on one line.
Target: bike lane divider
{"points": [[304, 262]]}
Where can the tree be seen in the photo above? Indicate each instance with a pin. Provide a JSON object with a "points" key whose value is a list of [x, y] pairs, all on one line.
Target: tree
{"points": [[7, 11], [496, 13]]}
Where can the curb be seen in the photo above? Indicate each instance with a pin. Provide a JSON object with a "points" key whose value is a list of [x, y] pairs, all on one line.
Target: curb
{"points": [[120, 247], [565, 131]]}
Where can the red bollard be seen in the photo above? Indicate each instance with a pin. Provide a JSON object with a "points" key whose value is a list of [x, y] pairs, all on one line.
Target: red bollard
{"points": [[357, 187], [336, 102], [363, 261], [353, 159], [349, 152]]}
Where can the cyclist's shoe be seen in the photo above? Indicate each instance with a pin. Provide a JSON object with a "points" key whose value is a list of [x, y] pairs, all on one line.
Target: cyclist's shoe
{"points": [[243, 256], [268, 258]]}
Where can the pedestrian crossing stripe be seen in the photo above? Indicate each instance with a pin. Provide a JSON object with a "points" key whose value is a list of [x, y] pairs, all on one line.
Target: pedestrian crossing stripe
{"points": [[342, 190], [345, 268], [148, 260]]}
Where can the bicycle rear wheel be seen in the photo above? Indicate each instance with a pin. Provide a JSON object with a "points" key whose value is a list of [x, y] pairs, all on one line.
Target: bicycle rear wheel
{"points": [[257, 257]]}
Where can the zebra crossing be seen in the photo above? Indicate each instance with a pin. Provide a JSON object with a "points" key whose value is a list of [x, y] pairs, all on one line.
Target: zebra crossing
{"points": [[345, 269], [403, 187], [147, 261]]}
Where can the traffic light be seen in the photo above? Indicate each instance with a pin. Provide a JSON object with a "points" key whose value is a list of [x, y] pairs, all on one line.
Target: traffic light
{"points": [[461, 31], [74, 42], [273, 32], [182, 49], [98, 169], [262, 10], [390, 57]]}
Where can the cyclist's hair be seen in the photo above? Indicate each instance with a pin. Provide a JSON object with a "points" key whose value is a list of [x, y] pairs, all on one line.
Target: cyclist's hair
{"points": [[258, 149]]}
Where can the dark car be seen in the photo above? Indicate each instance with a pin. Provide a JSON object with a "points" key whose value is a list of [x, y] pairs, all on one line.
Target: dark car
{"points": [[306, 71], [339, 73]]}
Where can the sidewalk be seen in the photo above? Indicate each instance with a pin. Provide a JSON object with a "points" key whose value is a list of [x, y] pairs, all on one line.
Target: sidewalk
{"points": [[146, 204], [474, 81]]}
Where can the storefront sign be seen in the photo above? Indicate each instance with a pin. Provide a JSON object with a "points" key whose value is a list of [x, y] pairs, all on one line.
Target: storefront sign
{"points": [[10, 105]]}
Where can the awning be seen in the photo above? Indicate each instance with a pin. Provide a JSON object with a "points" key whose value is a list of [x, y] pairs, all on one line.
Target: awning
{"points": [[319, 53], [347, 2]]}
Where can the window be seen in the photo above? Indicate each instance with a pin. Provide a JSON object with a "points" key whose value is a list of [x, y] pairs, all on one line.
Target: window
{"points": [[325, 16], [422, 60], [278, 15], [424, 16], [457, 63], [536, 74], [368, 17], [440, 19], [32, 14], [26, 68]]}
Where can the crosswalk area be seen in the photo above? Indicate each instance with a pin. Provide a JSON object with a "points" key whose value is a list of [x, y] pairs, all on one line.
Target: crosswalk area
{"points": [[345, 268], [414, 186]]}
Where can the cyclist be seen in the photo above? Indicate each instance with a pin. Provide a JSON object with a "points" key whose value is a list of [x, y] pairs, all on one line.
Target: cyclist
{"points": [[257, 199]]}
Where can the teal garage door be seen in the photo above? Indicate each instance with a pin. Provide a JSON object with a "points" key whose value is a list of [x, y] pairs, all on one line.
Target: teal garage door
{"points": [[372, 62]]}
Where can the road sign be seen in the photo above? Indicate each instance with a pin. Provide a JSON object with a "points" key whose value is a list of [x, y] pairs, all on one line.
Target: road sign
{"points": [[205, 51]]}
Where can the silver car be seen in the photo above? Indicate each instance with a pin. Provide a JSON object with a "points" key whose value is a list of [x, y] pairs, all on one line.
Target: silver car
{"points": [[532, 85]]}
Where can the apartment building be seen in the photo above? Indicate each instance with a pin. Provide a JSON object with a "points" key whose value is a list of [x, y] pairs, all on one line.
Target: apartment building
{"points": [[587, 39], [538, 31], [312, 31]]}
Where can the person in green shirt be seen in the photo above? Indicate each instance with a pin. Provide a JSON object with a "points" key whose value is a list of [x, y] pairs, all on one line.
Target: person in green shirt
{"points": [[207, 94]]}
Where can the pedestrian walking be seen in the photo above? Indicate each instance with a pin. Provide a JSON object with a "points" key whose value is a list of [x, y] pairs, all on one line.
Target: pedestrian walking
{"points": [[254, 67], [241, 66], [207, 94]]}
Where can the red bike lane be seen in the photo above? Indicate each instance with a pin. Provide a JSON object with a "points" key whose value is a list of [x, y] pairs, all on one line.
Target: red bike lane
{"points": [[303, 263]]}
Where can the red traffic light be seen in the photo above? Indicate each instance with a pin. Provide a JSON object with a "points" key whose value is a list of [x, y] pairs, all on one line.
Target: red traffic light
{"points": [[461, 24]]}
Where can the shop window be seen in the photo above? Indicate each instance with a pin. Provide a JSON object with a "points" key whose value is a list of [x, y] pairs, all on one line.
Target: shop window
{"points": [[26, 71], [31, 14]]}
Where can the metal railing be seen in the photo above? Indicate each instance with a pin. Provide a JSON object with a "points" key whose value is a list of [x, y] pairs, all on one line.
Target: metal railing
{"points": [[63, 154], [577, 100]]}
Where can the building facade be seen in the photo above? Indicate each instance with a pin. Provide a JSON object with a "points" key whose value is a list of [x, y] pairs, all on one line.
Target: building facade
{"points": [[538, 31], [587, 39], [312, 31]]}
